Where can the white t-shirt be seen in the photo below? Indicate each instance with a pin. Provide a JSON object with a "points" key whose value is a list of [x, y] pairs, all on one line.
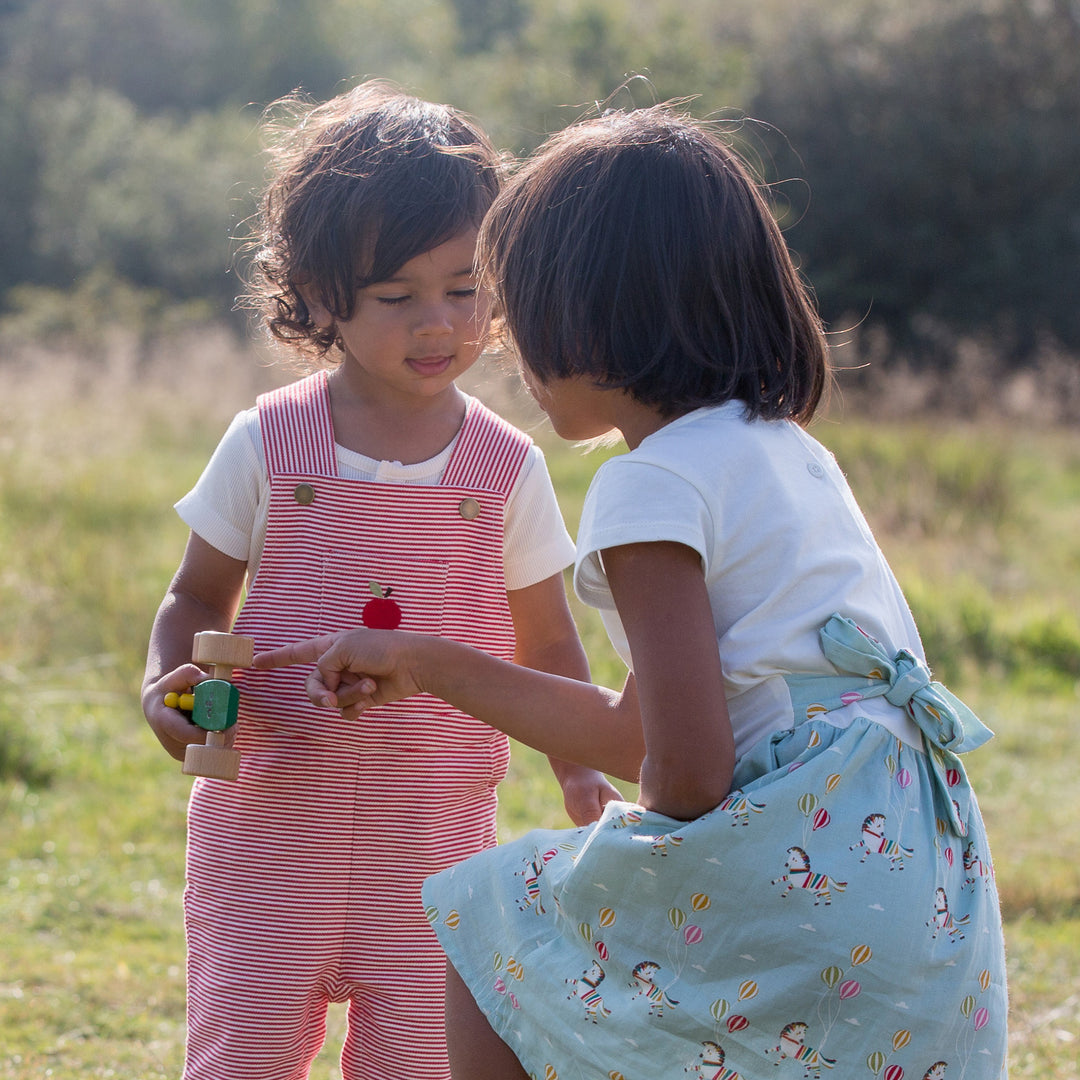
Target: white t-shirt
{"points": [[229, 504], [782, 542]]}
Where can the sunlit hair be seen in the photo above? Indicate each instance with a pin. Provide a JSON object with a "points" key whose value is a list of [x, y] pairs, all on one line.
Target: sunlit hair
{"points": [[636, 249], [359, 186]]}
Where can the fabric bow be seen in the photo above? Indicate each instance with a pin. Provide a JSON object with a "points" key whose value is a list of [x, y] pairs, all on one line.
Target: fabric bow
{"points": [[948, 726]]}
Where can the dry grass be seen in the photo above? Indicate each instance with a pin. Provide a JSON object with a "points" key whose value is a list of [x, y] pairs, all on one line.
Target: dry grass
{"points": [[94, 451]]}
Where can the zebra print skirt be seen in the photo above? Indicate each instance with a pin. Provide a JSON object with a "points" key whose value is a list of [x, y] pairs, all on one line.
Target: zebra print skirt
{"points": [[836, 915]]}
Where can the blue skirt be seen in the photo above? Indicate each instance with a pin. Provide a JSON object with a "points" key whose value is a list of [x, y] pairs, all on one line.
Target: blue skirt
{"points": [[836, 915]]}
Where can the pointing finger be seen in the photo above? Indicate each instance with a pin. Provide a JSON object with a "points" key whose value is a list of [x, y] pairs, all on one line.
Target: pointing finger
{"points": [[299, 652]]}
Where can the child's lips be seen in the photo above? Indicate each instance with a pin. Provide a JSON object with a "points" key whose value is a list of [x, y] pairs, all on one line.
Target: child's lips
{"points": [[430, 365]]}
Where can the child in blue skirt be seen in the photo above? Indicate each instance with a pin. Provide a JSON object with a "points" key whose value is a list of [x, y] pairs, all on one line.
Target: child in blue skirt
{"points": [[804, 887]]}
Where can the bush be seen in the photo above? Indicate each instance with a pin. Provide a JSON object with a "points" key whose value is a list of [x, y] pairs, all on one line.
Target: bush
{"points": [[153, 200], [939, 150]]}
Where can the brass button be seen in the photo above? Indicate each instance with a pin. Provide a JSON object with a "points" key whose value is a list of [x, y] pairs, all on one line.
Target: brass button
{"points": [[469, 509], [304, 494]]}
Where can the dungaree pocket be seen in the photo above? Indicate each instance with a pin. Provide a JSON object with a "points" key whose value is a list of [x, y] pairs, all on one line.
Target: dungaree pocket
{"points": [[382, 592]]}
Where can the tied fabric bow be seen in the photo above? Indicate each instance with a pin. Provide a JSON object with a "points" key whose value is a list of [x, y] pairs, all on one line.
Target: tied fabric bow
{"points": [[948, 726]]}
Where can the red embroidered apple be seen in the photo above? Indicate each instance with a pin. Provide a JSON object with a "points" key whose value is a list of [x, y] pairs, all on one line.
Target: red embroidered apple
{"points": [[380, 612]]}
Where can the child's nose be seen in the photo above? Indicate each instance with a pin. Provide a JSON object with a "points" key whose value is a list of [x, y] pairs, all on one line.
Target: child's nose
{"points": [[435, 319]]}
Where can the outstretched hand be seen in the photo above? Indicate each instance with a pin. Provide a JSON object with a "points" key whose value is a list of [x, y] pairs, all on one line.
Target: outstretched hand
{"points": [[355, 670]]}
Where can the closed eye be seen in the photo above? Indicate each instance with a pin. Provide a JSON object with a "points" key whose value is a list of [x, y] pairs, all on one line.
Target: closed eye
{"points": [[466, 293]]}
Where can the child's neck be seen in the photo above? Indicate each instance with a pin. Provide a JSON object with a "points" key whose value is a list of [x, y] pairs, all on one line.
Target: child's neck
{"points": [[409, 429]]}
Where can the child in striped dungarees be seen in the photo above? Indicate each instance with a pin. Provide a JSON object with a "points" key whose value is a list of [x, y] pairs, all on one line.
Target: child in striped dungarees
{"points": [[372, 491]]}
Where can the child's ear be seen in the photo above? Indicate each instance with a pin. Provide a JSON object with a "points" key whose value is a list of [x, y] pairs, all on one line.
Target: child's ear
{"points": [[320, 314]]}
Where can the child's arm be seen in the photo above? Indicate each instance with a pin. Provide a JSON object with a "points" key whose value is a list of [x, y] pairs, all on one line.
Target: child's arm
{"points": [[203, 595], [672, 713], [547, 640], [659, 590], [564, 718], [669, 727]]}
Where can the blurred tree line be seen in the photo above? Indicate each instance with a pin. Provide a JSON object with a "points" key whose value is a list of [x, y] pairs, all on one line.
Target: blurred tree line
{"points": [[926, 153]]}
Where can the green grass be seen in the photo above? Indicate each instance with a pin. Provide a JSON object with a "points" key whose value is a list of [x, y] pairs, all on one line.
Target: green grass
{"points": [[981, 526]]}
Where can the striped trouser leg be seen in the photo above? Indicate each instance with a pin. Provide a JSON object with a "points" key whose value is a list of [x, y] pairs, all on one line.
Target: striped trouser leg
{"points": [[253, 1013], [397, 1032]]}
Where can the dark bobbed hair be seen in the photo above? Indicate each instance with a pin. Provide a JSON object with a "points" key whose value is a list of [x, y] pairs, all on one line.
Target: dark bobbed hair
{"points": [[359, 186], [637, 249]]}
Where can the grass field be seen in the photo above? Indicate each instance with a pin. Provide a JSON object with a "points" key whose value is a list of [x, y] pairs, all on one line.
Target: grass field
{"points": [[981, 524]]}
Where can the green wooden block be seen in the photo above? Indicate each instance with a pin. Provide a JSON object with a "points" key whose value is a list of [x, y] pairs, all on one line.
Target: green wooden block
{"points": [[217, 702]]}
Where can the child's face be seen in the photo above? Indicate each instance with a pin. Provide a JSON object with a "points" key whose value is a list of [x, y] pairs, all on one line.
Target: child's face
{"points": [[580, 410], [577, 408], [416, 332]]}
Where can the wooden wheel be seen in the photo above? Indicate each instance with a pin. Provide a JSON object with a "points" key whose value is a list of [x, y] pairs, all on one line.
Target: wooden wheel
{"points": [[217, 762], [223, 650]]}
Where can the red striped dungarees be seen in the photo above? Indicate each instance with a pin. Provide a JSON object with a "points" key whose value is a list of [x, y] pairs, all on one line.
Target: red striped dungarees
{"points": [[304, 876]]}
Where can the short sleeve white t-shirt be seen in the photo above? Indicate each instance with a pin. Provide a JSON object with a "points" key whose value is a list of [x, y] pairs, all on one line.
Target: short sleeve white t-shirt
{"points": [[782, 542], [229, 503]]}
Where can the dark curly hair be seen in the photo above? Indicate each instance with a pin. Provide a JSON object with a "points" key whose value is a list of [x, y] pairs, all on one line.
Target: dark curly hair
{"points": [[636, 249], [359, 186]]}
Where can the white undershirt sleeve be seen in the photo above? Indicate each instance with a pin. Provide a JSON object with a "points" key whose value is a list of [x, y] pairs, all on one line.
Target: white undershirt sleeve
{"points": [[536, 544], [223, 506]]}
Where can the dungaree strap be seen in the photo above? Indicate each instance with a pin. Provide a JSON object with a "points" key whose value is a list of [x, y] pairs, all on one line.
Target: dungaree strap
{"points": [[298, 437], [297, 429], [871, 670], [489, 452]]}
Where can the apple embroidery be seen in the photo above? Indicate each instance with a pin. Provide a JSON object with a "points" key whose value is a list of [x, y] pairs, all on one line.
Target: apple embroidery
{"points": [[380, 612]]}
